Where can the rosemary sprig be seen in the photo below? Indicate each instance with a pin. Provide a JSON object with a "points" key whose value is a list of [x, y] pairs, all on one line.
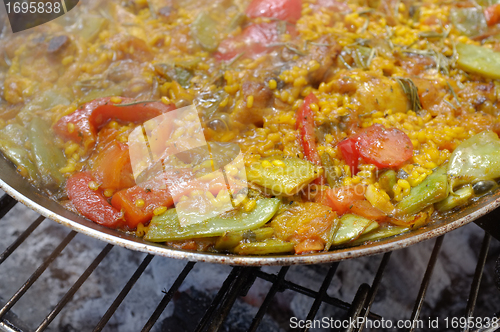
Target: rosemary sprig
{"points": [[233, 60], [366, 11], [344, 62], [434, 34], [453, 93], [450, 104], [136, 103], [411, 91]]}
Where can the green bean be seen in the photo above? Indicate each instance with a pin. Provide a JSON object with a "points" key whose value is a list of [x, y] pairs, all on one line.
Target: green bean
{"points": [[204, 29], [20, 157], [351, 227], [48, 158], [459, 197], [331, 176], [387, 181], [479, 60], [269, 246], [166, 227], [230, 240], [433, 189], [380, 233]]}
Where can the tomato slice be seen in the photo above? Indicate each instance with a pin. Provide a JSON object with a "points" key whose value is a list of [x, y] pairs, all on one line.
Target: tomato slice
{"points": [[112, 168], [385, 147], [91, 203], [285, 10], [82, 125], [341, 199], [254, 40], [363, 208]]}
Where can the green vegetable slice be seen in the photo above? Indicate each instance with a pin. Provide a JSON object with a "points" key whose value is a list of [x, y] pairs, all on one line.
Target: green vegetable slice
{"points": [[433, 189], [380, 233], [287, 179], [269, 246], [231, 239], [479, 60], [459, 197], [204, 29], [351, 227], [48, 157], [387, 181], [20, 157], [475, 159], [166, 227]]}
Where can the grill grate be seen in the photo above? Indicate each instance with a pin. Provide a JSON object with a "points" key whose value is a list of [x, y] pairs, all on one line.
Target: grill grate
{"points": [[236, 285]]}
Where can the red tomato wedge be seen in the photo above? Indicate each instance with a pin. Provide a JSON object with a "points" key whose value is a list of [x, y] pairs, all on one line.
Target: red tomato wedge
{"points": [[154, 193], [91, 203], [305, 126], [254, 40], [385, 148], [285, 10], [112, 168], [363, 208], [341, 199], [492, 14], [82, 125]]}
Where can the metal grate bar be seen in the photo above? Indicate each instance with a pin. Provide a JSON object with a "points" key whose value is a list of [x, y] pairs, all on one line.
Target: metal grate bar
{"points": [[6, 204], [375, 285], [67, 297], [478, 274], [308, 292], [21, 239], [357, 306], [168, 296], [240, 284], [277, 286], [119, 299], [425, 284], [218, 299], [13, 300], [322, 293]]}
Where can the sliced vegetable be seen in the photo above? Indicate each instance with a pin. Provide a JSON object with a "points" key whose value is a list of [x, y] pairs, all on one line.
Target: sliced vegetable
{"points": [[387, 181], [479, 60], [305, 223], [469, 21], [351, 227], [433, 189], [230, 240], [331, 177], [204, 29], [380, 233], [379, 199], [81, 126], [21, 158], [365, 209], [385, 147], [112, 167], [91, 203], [475, 159], [341, 199], [48, 157], [269, 246], [459, 197], [254, 40], [166, 227], [492, 14], [377, 145], [285, 10], [350, 153], [286, 179]]}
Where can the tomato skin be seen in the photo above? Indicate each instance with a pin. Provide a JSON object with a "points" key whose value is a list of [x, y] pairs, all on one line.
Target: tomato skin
{"points": [[253, 41], [90, 203], [285, 10], [305, 126], [90, 117], [492, 14], [112, 168], [385, 148], [341, 199]]}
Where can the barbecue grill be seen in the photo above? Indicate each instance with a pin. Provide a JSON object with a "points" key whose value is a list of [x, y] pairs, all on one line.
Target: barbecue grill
{"points": [[53, 279]]}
